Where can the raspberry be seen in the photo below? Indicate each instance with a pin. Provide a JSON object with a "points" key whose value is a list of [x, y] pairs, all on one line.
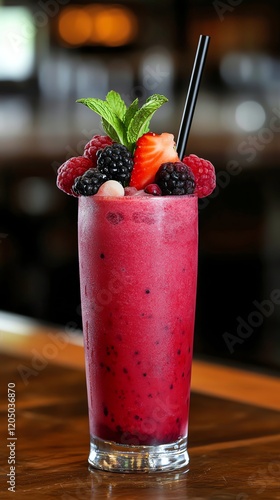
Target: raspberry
{"points": [[153, 189], [96, 143], [116, 163], [89, 183], [204, 173], [175, 179], [68, 171]]}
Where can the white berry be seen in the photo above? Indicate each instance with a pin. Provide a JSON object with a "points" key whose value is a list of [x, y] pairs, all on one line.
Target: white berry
{"points": [[110, 188]]}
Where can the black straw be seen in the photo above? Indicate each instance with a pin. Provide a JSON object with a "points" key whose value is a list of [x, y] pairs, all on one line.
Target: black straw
{"points": [[191, 98]]}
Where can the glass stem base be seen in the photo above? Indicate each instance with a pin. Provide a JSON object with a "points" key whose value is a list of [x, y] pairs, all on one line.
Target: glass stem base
{"points": [[114, 457]]}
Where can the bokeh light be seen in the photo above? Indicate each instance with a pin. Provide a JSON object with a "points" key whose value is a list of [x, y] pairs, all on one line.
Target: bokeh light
{"points": [[249, 68], [106, 25], [250, 116], [17, 43], [34, 196], [74, 26]]}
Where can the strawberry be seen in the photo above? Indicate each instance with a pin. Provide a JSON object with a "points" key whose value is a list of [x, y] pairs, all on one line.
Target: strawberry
{"points": [[151, 151]]}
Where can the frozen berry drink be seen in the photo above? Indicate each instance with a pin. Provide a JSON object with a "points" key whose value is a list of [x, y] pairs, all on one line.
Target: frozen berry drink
{"points": [[138, 270], [138, 241]]}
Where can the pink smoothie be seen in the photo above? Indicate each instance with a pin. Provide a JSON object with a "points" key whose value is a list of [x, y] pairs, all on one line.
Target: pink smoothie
{"points": [[138, 273]]}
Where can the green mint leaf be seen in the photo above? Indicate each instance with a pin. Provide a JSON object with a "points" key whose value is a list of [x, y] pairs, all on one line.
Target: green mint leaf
{"points": [[116, 104], [109, 130], [130, 112], [145, 128], [103, 109], [140, 122]]}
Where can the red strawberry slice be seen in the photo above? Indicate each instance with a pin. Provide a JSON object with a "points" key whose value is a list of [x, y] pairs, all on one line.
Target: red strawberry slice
{"points": [[151, 151]]}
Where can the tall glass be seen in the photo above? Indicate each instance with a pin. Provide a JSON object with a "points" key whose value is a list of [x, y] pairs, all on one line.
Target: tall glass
{"points": [[138, 274]]}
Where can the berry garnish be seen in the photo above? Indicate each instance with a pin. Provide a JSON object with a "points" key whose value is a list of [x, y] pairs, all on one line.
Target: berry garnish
{"points": [[116, 163], [89, 183], [204, 173], [111, 188], [130, 191], [131, 155], [124, 124], [68, 171], [153, 189], [175, 179], [151, 151], [96, 143]]}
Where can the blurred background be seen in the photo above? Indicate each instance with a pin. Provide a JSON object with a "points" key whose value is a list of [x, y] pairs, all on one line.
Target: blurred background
{"points": [[55, 51]]}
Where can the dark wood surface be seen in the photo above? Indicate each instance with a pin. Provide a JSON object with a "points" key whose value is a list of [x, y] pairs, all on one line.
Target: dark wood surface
{"points": [[234, 439]]}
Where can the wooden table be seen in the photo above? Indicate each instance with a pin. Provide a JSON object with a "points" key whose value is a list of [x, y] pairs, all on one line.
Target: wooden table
{"points": [[234, 435]]}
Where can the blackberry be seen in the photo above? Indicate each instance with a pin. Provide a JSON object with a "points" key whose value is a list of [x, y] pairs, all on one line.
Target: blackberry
{"points": [[116, 163], [175, 179], [89, 183]]}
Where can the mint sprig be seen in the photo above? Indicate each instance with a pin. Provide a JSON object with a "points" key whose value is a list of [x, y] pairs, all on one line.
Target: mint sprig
{"points": [[124, 124], [118, 107], [139, 124], [116, 104], [103, 108], [130, 113]]}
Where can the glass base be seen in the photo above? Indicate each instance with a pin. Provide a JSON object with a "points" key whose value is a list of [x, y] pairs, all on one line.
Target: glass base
{"points": [[114, 457]]}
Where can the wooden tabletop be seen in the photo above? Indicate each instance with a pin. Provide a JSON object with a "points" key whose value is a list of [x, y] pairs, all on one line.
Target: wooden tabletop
{"points": [[234, 434]]}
